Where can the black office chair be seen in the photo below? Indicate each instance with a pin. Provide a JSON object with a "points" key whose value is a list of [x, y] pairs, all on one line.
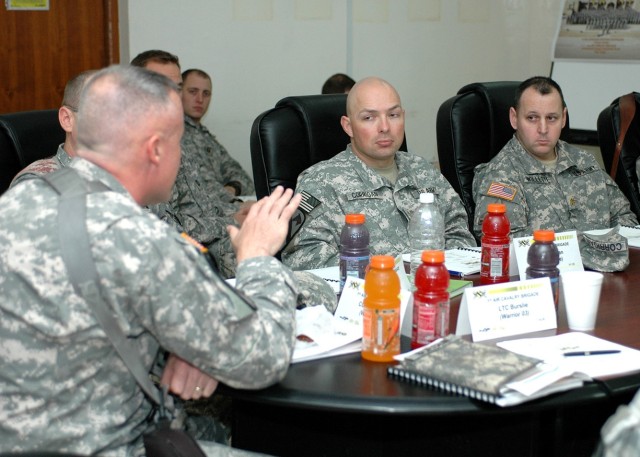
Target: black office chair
{"points": [[608, 132], [471, 128], [26, 137], [299, 132]]}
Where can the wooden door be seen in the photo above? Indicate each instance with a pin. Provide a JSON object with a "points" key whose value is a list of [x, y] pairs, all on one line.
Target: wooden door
{"points": [[41, 50]]}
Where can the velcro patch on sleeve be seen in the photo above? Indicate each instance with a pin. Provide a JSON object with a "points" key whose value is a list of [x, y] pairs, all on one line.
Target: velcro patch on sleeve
{"points": [[503, 191], [308, 202]]}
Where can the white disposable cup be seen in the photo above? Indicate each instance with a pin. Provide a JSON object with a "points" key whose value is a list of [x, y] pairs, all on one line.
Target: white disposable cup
{"points": [[581, 293]]}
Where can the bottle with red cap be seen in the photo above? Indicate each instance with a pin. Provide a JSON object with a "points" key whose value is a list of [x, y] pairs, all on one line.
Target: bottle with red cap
{"points": [[430, 300], [494, 259], [543, 258], [381, 313]]}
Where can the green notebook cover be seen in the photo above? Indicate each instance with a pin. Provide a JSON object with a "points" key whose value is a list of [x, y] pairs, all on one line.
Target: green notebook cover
{"points": [[457, 286]]}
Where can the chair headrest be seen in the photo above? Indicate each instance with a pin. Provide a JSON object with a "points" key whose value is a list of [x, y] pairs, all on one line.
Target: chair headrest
{"points": [[34, 134], [320, 115]]}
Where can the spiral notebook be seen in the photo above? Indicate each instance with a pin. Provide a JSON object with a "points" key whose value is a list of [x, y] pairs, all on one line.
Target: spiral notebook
{"points": [[484, 372]]}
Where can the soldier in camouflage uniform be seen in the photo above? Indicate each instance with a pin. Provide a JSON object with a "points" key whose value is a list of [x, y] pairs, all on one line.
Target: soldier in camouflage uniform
{"points": [[68, 121], [544, 182], [64, 388], [198, 205], [215, 161], [372, 177], [67, 118]]}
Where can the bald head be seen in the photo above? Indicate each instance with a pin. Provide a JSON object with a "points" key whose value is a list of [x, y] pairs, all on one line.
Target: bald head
{"points": [[374, 122], [365, 88]]}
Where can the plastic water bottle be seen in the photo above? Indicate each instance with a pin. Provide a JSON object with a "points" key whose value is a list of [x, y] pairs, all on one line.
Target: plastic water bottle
{"points": [[354, 248], [543, 258], [381, 311], [426, 230], [430, 300], [494, 258]]}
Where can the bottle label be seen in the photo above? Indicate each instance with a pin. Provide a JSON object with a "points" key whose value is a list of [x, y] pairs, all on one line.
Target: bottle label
{"points": [[424, 323], [495, 260], [381, 335], [430, 321], [496, 266], [352, 266]]}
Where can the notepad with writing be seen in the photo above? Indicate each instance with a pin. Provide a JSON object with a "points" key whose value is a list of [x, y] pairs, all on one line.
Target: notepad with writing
{"points": [[462, 261], [459, 261], [481, 371]]}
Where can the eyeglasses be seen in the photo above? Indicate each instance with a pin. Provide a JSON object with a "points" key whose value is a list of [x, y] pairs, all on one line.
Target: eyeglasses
{"points": [[72, 108]]}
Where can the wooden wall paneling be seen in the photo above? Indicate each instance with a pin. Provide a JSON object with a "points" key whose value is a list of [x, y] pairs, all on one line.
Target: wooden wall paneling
{"points": [[41, 50]]}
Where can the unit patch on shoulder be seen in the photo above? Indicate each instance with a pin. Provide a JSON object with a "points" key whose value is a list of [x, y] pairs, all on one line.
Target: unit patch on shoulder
{"points": [[503, 191]]}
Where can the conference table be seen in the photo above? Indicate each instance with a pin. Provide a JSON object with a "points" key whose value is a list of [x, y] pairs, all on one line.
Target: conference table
{"points": [[346, 406]]}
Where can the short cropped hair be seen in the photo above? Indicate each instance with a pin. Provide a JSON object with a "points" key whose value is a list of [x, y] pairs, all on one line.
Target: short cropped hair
{"points": [[72, 90], [338, 84], [542, 84], [154, 55], [131, 94], [197, 71]]}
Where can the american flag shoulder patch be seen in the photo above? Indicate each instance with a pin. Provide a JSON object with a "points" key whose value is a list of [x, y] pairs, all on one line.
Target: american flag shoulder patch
{"points": [[502, 191], [308, 202]]}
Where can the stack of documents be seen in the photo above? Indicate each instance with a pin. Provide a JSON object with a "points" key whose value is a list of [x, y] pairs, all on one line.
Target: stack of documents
{"points": [[320, 334]]}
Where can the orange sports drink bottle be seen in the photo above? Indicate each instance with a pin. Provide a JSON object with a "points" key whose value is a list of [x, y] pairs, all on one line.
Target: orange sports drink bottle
{"points": [[381, 319]]}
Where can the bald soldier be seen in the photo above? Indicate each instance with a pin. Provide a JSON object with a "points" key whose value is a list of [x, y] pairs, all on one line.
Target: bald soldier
{"points": [[372, 177], [58, 365]]}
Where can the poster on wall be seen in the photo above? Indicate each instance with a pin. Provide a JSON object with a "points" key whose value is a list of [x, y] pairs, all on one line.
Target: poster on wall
{"points": [[27, 5], [599, 30]]}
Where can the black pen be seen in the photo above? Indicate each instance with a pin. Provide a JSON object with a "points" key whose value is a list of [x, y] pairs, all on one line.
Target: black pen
{"points": [[579, 353]]}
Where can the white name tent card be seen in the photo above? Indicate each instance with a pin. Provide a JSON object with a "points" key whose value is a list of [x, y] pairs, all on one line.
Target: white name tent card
{"points": [[351, 301], [505, 309], [567, 243], [405, 280], [350, 306]]}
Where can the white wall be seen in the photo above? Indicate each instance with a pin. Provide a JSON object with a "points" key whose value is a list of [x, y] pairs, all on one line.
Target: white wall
{"points": [[259, 51]]}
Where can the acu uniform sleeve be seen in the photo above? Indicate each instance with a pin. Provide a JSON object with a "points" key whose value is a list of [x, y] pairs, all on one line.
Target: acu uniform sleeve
{"points": [[233, 174], [315, 245]]}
